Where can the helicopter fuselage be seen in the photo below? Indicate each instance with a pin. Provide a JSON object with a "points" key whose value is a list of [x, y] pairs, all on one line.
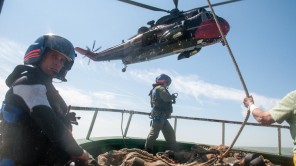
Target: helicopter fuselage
{"points": [[184, 36]]}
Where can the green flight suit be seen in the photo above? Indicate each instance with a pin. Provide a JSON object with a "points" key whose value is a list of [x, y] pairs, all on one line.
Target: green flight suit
{"points": [[161, 102]]}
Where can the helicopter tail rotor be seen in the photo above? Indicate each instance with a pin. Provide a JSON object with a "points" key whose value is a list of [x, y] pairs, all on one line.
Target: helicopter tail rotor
{"points": [[93, 50]]}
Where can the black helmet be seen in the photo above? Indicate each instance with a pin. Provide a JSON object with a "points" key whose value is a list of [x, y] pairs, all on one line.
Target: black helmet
{"points": [[163, 78], [35, 52]]}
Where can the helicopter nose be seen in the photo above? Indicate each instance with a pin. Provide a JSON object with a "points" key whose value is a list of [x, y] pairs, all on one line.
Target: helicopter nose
{"points": [[224, 26], [208, 29]]}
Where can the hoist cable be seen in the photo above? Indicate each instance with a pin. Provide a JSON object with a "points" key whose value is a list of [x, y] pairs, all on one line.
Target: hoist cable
{"points": [[240, 76]]}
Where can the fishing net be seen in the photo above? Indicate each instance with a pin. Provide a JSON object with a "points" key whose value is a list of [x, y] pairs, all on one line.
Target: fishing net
{"points": [[198, 155]]}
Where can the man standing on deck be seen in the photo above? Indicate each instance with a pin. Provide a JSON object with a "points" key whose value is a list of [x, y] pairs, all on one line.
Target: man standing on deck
{"points": [[35, 125], [161, 103], [285, 110]]}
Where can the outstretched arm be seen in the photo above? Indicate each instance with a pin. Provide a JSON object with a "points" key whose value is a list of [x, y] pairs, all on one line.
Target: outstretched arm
{"points": [[262, 117]]}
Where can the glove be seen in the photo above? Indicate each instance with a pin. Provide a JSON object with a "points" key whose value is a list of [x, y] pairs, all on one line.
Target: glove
{"points": [[71, 116], [248, 101], [174, 96]]}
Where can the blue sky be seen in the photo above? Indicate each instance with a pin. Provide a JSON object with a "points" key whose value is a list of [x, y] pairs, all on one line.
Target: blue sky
{"points": [[261, 37]]}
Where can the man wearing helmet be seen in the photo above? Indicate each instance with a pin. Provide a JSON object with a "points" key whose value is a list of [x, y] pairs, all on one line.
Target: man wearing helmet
{"points": [[35, 129], [161, 103]]}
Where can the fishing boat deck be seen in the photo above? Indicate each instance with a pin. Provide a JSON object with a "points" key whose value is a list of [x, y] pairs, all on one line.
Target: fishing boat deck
{"points": [[100, 145]]}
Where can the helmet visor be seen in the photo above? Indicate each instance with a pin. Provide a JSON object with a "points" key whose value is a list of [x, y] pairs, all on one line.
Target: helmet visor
{"points": [[60, 45]]}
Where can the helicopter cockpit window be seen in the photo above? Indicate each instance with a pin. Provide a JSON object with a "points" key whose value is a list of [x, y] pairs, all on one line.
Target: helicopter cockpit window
{"points": [[142, 30], [209, 15], [206, 16]]}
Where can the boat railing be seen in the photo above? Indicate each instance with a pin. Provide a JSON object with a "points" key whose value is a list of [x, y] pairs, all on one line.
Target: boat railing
{"points": [[131, 113]]}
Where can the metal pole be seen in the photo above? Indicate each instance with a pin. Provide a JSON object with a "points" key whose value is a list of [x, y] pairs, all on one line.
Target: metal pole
{"points": [[223, 133], [175, 125], [92, 124], [128, 123], [279, 141]]}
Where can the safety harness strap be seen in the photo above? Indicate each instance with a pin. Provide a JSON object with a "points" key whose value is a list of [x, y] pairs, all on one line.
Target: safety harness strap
{"points": [[11, 113], [6, 162]]}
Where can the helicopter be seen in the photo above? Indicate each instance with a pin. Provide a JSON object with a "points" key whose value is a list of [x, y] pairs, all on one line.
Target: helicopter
{"points": [[180, 32]]}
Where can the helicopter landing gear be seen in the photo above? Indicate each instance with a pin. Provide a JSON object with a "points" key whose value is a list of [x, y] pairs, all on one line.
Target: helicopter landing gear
{"points": [[124, 69]]}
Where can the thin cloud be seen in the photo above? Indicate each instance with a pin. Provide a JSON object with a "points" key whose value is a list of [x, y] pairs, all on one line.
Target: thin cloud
{"points": [[198, 88], [104, 99], [11, 51], [11, 54], [194, 86]]}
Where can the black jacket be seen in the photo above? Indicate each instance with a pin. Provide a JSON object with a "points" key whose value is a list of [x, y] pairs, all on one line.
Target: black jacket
{"points": [[40, 134]]}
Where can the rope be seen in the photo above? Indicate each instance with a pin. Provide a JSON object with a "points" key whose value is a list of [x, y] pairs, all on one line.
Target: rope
{"points": [[210, 162], [240, 76], [165, 159]]}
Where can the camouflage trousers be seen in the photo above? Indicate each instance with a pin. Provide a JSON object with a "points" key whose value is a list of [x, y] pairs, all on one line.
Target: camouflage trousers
{"points": [[168, 132]]}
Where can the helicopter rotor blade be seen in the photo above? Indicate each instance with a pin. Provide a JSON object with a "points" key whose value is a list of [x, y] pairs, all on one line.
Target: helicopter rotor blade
{"points": [[221, 3], [176, 3], [145, 6], [93, 45], [217, 4], [97, 49]]}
